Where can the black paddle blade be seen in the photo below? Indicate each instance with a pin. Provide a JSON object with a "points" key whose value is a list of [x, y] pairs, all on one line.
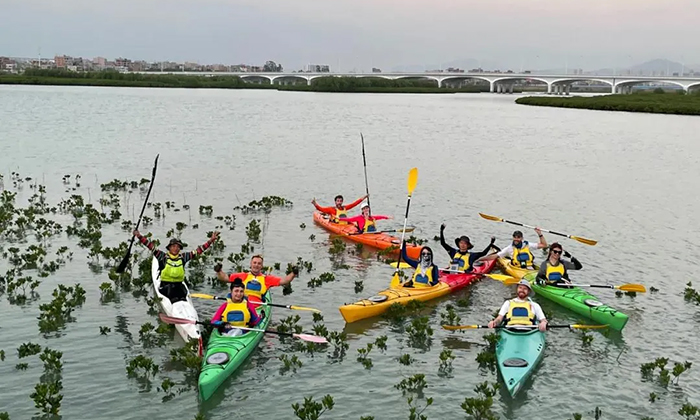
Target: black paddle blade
{"points": [[125, 260]]}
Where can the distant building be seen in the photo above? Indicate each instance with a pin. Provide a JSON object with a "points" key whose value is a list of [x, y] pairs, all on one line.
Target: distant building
{"points": [[318, 68], [454, 70], [99, 62], [376, 70]]}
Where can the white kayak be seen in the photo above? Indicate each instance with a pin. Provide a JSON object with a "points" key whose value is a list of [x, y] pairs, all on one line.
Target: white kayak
{"points": [[180, 309]]}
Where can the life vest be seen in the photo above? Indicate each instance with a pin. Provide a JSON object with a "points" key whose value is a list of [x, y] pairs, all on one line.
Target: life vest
{"points": [[370, 226], [340, 214], [555, 273], [174, 270], [236, 314], [520, 313], [421, 279], [255, 285], [522, 257], [460, 262]]}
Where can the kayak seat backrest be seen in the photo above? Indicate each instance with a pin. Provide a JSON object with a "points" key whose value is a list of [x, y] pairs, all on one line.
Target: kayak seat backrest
{"points": [[515, 362]]}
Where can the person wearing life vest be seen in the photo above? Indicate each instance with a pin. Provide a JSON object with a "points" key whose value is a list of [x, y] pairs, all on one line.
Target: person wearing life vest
{"points": [[256, 283], [554, 271], [339, 211], [427, 273], [461, 259], [519, 251], [172, 264], [236, 312], [364, 222], [521, 310]]}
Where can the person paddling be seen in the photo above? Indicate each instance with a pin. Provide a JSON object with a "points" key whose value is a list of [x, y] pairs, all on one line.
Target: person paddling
{"points": [[427, 273], [236, 312], [521, 310], [364, 222], [461, 258], [554, 270], [256, 283], [340, 211], [172, 264], [519, 251]]}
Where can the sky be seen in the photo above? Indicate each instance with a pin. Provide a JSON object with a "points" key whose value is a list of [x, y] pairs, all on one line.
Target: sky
{"points": [[358, 34]]}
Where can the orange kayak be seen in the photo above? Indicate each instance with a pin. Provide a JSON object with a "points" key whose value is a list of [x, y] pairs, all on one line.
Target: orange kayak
{"points": [[375, 240]]}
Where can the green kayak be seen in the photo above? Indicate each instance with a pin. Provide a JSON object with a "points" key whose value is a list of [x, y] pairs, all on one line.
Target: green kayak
{"points": [[224, 355], [518, 353], [581, 302]]}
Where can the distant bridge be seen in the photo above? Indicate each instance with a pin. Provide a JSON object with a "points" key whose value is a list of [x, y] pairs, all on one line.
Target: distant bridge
{"points": [[498, 82]]}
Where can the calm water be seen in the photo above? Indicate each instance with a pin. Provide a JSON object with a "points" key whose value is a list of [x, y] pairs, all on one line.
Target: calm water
{"points": [[627, 180]]}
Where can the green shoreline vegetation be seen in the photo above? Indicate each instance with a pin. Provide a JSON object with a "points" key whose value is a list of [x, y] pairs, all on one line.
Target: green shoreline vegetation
{"points": [[656, 102], [322, 84]]}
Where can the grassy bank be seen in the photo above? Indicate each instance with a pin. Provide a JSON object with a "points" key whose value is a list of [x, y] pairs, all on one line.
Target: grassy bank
{"points": [[321, 84], [656, 103]]}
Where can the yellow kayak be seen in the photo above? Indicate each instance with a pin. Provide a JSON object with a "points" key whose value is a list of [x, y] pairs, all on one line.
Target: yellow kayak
{"points": [[514, 271], [379, 303]]}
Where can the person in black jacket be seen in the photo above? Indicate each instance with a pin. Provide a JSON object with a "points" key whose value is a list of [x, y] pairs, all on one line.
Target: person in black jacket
{"points": [[461, 259]]}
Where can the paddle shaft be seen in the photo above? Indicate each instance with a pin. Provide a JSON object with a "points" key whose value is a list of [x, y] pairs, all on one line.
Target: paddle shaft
{"points": [[519, 326], [276, 305], [382, 231], [403, 233], [125, 260], [364, 161], [174, 320]]}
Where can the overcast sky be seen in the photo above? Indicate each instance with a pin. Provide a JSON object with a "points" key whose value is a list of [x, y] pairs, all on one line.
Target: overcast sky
{"points": [[358, 34]]}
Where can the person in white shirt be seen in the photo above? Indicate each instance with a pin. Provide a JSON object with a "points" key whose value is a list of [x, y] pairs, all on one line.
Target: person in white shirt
{"points": [[519, 251], [521, 310]]}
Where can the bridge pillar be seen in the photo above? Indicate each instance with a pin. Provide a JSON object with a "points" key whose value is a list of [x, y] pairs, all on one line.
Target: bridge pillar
{"points": [[491, 87], [439, 82], [549, 87], [308, 82], [510, 88]]}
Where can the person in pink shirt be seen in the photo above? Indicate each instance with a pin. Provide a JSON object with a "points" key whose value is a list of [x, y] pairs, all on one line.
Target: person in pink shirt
{"points": [[236, 312], [365, 222]]}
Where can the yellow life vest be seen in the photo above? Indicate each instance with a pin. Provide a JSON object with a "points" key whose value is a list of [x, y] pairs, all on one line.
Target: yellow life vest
{"points": [[255, 285], [370, 226], [340, 214], [460, 262], [174, 270], [520, 313], [555, 273], [421, 279], [522, 257], [236, 314]]}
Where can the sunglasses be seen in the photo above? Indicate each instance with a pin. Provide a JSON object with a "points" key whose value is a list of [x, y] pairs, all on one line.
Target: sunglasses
{"points": [[427, 254], [556, 252]]}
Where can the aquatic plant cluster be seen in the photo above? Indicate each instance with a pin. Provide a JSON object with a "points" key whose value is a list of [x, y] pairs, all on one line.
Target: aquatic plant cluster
{"points": [[30, 256]]}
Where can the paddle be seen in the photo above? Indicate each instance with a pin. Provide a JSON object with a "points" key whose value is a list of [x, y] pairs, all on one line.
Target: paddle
{"points": [[473, 327], [125, 260], [577, 238], [411, 185], [306, 337], [402, 265], [409, 230], [499, 277], [293, 307], [627, 287], [364, 161]]}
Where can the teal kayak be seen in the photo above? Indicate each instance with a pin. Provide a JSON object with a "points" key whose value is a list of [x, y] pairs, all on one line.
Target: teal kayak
{"points": [[224, 355], [581, 302], [518, 353]]}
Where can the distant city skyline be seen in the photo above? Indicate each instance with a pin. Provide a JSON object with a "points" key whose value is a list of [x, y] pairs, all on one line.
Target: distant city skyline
{"points": [[360, 34]]}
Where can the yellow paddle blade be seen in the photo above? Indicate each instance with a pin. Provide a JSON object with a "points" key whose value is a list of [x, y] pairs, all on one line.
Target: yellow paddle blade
{"points": [[511, 281], [588, 327], [202, 296], [460, 327], [584, 240], [302, 308], [487, 217], [502, 277], [395, 281], [412, 180], [632, 287], [402, 265]]}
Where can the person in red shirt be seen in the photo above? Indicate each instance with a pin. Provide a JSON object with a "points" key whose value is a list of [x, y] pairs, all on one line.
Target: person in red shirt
{"points": [[256, 283], [365, 222], [339, 211]]}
